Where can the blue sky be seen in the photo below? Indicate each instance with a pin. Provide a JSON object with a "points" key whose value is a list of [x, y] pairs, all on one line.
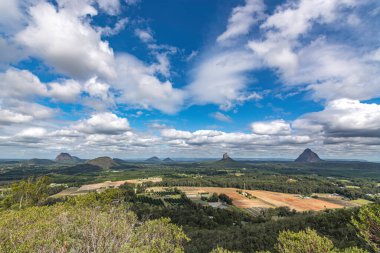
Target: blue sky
{"points": [[181, 78]]}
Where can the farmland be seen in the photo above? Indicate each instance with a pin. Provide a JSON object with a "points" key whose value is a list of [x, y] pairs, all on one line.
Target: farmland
{"points": [[264, 199], [105, 185]]}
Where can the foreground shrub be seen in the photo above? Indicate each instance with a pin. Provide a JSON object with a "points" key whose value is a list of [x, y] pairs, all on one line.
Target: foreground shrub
{"points": [[367, 223], [63, 228]]}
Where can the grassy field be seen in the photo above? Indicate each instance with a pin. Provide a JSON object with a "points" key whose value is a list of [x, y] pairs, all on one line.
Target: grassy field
{"points": [[361, 201]]}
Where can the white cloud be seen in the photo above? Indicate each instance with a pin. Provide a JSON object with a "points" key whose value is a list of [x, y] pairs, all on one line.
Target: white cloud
{"points": [[103, 123], [33, 109], [330, 70], [110, 31], [343, 118], [67, 42], [67, 91], [221, 117], [140, 87], [9, 52], [111, 7], [98, 89], [12, 16], [295, 18], [84, 7], [9, 117], [32, 132], [230, 140], [163, 65], [275, 127], [221, 79], [144, 35], [336, 71], [16, 83], [242, 18]]}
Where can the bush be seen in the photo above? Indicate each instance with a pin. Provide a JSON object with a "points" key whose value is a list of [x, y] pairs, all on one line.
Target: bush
{"points": [[66, 228]]}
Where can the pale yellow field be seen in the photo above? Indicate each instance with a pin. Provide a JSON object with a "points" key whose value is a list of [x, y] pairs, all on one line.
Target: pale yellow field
{"points": [[105, 185]]}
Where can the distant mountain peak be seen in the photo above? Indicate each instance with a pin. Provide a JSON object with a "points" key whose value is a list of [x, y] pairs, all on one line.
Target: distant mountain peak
{"points": [[66, 157], [168, 160], [153, 159], [227, 158], [308, 156]]}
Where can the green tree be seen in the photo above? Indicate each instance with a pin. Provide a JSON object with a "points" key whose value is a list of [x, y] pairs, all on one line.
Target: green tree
{"points": [[307, 241], [26, 193], [157, 236], [367, 222]]}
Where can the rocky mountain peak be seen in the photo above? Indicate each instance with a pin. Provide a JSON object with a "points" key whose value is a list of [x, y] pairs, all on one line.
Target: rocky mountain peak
{"points": [[308, 156]]}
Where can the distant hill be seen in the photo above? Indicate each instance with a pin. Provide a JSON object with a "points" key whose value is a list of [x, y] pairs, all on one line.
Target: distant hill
{"points": [[79, 169], [227, 158], [103, 162], [308, 156], [153, 159], [67, 158], [36, 161], [119, 161], [168, 160]]}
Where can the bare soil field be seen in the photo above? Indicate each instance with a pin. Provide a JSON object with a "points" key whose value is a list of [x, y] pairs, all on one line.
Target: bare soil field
{"points": [[94, 187], [293, 201], [263, 199]]}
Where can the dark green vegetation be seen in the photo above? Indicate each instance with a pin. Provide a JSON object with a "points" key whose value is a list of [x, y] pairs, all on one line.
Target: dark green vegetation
{"points": [[351, 179], [207, 227], [68, 223]]}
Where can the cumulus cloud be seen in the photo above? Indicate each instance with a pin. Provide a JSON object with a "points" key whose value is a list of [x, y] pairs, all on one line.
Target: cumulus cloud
{"points": [[67, 91], [98, 89], [103, 123], [329, 70], [9, 117], [275, 127], [9, 52], [140, 87], [233, 140], [242, 18], [16, 83], [71, 45], [343, 118]]}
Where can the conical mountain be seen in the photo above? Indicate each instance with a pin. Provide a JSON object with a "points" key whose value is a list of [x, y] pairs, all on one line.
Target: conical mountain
{"points": [[308, 156], [153, 159], [168, 160]]}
